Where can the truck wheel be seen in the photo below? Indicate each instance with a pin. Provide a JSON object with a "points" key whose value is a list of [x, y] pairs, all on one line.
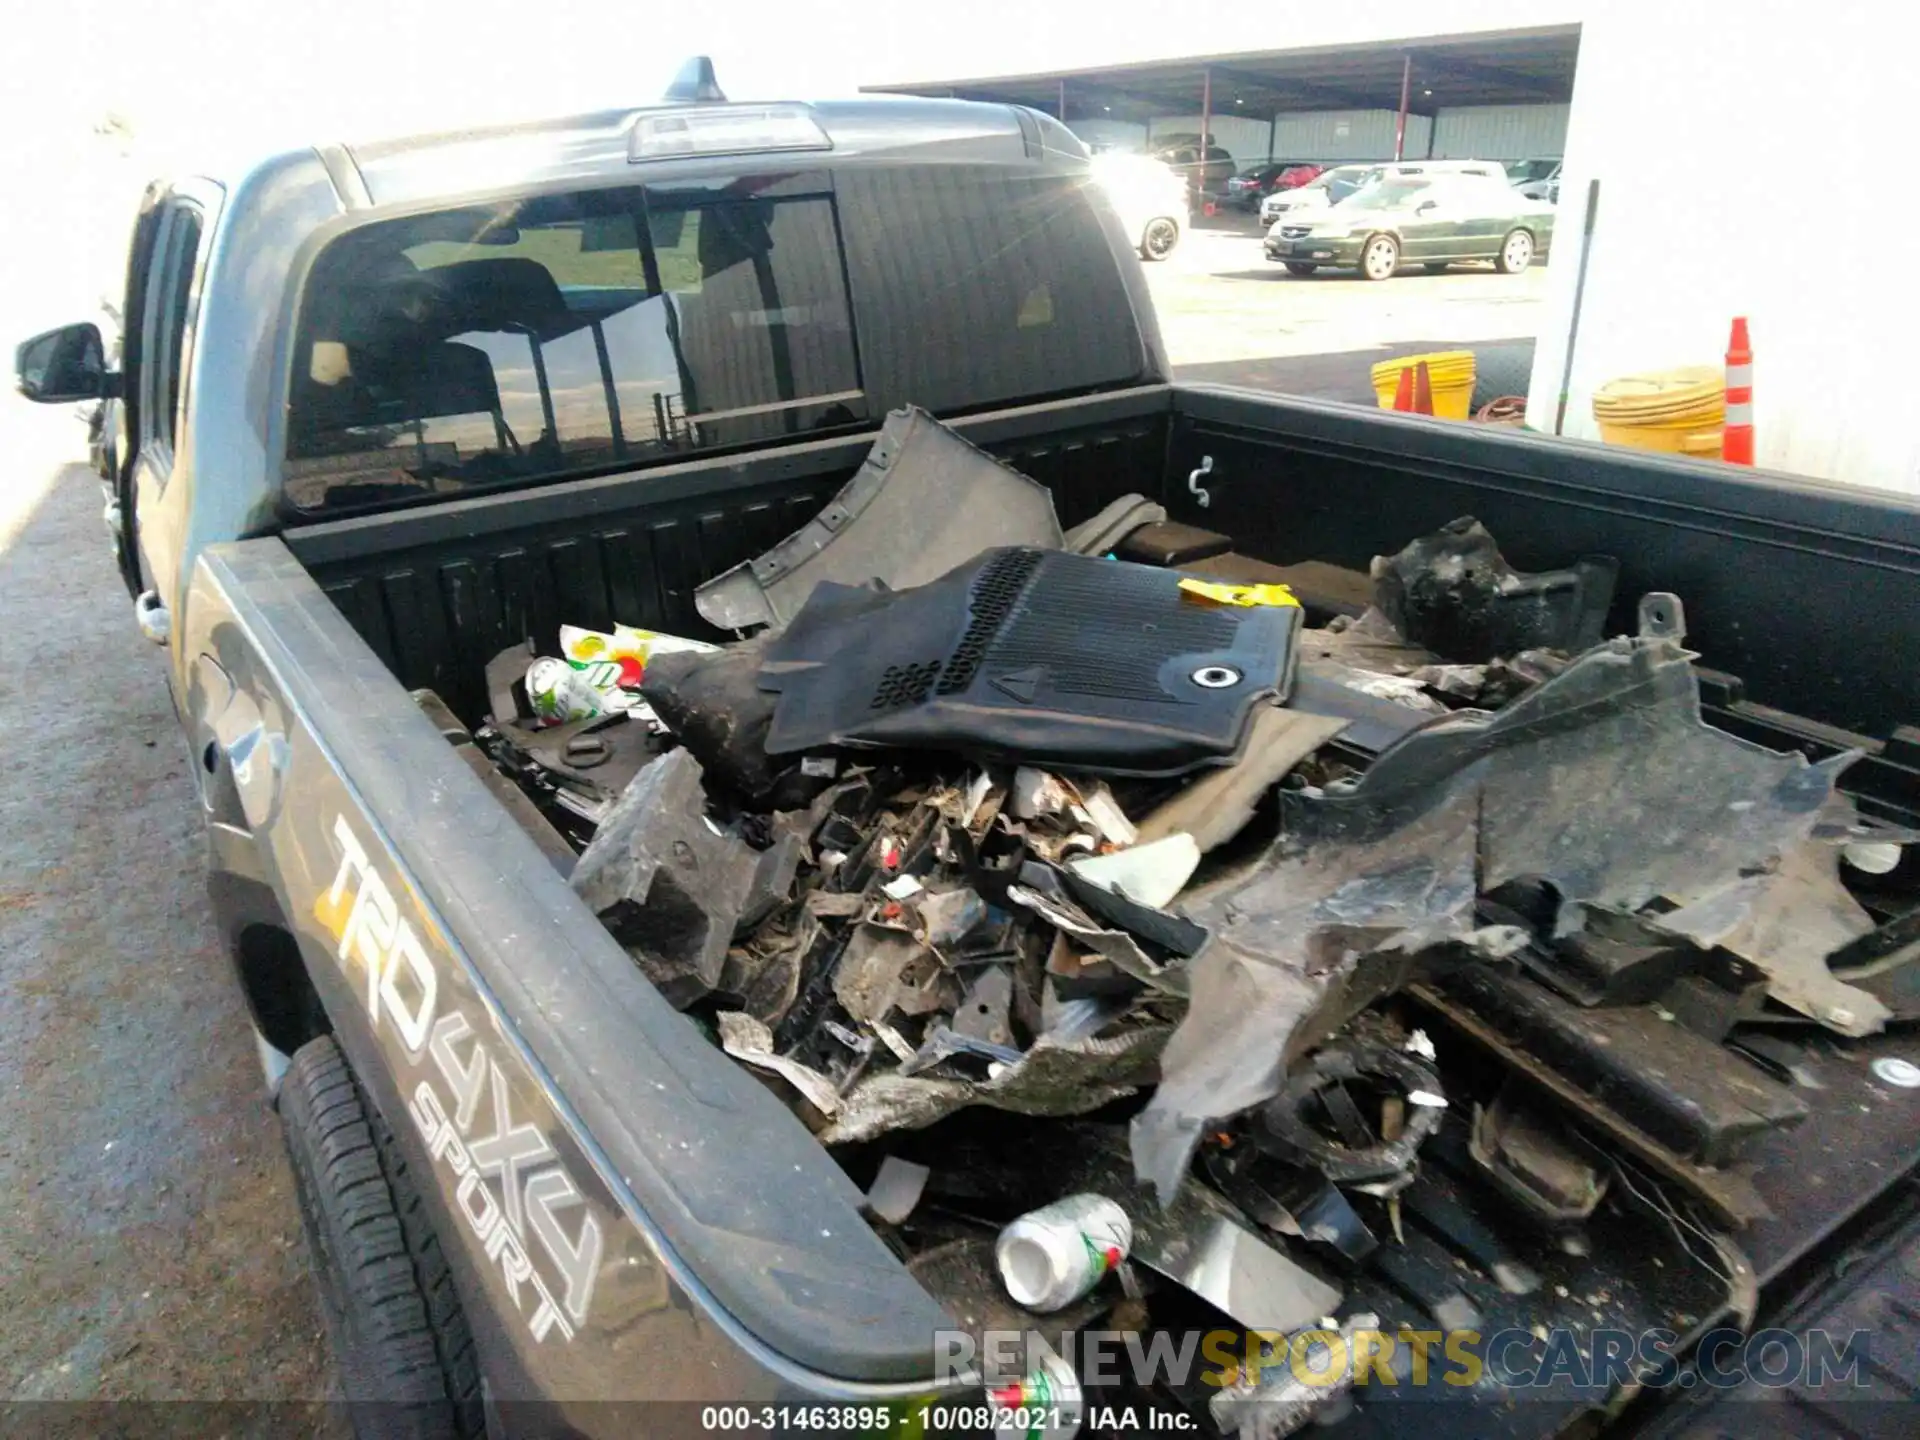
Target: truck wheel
{"points": [[400, 1339], [1516, 253], [1301, 267], [1160, 238], [1380, 258]]}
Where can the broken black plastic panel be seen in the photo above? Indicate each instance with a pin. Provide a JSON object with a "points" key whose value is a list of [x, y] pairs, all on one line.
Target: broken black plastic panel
{"points": [[1682, 1090], [1454, 592], [923, 502]]}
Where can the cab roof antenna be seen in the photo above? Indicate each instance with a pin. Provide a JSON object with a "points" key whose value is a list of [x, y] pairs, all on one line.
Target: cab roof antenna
{"points": [[695, 84]]}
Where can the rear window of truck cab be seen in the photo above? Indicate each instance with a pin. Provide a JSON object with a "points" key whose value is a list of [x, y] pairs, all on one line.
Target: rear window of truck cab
{"points": [[613, 328]]}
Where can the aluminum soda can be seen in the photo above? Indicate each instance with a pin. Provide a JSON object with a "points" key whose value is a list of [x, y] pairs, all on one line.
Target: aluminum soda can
{"points": [[558, 692], [1052, 1256], [1045, 1405]]}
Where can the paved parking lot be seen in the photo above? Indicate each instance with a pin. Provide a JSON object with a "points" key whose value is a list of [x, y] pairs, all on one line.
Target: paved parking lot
{"points": [[1229, 314]]}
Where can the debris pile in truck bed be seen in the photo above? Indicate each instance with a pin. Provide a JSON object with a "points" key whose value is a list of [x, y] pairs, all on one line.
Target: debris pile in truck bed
{"points": [[1038, 831]]}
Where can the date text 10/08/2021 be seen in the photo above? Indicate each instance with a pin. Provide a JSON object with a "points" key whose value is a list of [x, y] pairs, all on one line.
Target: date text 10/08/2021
{"points": [[941, 1419]]}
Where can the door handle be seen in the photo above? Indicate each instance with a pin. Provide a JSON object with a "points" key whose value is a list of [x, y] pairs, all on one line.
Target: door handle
{"points": [[152, 617]]}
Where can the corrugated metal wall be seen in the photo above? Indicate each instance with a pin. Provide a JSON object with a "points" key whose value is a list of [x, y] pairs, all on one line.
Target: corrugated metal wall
{"points": [[1347, 135], [1116, 134], [1474, 132], [1500, 132]]}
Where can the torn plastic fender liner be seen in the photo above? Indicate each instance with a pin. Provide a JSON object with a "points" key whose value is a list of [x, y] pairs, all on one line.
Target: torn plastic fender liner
{"points": [[1788, 922], [1038, 657], [1322, 924], [923, 502], [671, 885], [1603, 781], [1606, 782]]}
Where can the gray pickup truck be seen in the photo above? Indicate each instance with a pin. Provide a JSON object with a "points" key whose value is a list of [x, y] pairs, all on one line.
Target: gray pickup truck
{"points": [[394, 410]]}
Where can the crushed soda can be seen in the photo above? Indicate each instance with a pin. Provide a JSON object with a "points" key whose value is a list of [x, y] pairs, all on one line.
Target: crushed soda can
{"points": [[559, 691], [599, 674]]}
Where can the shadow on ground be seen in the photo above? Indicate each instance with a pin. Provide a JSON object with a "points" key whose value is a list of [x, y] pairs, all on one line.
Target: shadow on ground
{"points": [[153, 1251], [1502, 368]]}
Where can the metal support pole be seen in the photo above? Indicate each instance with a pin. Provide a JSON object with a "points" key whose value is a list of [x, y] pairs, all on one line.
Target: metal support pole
{"points": [[1406, 89], [1206, 126], [1273, 133], [1063, 101]]}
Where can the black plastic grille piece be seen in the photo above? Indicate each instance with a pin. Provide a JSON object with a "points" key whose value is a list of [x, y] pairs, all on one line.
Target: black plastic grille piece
{"points": [[990, 602], [904, 685]]}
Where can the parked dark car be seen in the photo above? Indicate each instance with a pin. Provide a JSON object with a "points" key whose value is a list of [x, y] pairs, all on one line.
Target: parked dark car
{"points": [[1433, 221], [1250, 186], [1209, 176]]}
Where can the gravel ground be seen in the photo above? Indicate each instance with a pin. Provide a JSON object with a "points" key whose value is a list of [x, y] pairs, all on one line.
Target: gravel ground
{"points": [[152, 1249]]}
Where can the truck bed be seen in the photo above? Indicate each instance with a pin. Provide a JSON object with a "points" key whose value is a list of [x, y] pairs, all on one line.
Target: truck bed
{"points": [[1792, 591]]}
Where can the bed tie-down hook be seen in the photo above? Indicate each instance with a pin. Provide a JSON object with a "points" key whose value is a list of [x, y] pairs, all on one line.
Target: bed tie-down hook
{"points": [[1193, 481]]}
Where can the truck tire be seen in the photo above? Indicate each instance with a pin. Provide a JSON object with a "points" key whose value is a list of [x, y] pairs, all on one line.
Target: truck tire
{"points": [[1159, 239], [400, 1339]]}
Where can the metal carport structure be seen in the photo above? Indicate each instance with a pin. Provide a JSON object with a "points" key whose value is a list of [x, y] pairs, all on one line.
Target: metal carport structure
{"points": [[1416, 76]]}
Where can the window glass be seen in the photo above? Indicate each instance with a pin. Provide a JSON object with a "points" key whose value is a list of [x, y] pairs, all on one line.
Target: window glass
{"points": [[977, 286], [480, 347], [169, 292]]}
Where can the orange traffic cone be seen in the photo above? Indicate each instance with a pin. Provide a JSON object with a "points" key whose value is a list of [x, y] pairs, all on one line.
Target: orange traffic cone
{"points": [[1422, 390], [1737, 444], [1403, 393]]}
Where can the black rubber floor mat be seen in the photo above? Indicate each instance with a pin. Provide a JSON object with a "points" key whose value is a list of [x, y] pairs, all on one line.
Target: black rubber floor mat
{"points": [[1038, 656]]}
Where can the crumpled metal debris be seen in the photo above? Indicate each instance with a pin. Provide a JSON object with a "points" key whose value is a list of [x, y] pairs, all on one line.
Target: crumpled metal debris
{"points": [[903, 915], [1074, 1078], [882, 970], [671, 885], [1280, 1399], [746, 1039]]}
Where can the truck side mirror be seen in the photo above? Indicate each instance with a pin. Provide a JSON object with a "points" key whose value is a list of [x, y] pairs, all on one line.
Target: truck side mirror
{"points": [[64, 365]]}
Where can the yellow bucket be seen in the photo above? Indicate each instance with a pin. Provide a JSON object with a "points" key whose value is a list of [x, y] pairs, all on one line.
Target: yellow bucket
{"points": [[1681, 411], [1450, 371]]}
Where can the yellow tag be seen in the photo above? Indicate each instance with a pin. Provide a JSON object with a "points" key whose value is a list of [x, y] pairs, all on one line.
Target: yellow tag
{"points": [[1247, 595]]}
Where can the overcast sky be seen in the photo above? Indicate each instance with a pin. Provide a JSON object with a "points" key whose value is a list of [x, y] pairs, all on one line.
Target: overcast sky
{"points": [[198, 81]]}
